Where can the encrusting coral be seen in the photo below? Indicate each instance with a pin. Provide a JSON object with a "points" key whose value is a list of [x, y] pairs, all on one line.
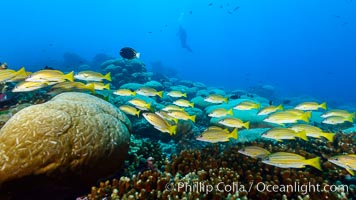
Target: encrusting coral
{"points": [[75, 138]]}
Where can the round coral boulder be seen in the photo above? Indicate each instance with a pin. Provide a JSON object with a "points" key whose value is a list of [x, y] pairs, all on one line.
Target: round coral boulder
{"points": [[74, 138]]}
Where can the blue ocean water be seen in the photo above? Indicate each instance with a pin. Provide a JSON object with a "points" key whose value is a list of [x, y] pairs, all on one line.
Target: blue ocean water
{"points": [[300, 47]]}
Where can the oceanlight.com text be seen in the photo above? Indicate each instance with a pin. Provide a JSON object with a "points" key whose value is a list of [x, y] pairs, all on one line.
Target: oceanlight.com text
{"points": [[201, 187]]}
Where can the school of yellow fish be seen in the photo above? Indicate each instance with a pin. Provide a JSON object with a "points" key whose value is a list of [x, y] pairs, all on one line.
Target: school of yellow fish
{"points": [[292, 123]]}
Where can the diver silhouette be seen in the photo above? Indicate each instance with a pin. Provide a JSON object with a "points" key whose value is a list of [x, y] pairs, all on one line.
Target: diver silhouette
{"points": [[182, 34]]}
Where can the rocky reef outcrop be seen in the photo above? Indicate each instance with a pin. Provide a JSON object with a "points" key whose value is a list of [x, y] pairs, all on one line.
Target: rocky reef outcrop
{"points": [[126, 71]]}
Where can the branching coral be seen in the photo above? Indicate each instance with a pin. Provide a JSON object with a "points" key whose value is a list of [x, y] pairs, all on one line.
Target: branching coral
{"points": [[223, 165]]}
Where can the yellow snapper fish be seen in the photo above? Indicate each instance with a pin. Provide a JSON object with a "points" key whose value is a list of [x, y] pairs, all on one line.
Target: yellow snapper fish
{"points": [[75, 86], [50, 76], [172, 107], [284, 117], [291, 160], [149, 92], [247, 105], [27, 86], [306, 106], [220, 112], [280, 134], [313, 131], [130, 110], [333, 120], [298, 112], [101, 86], [339, 113], [164, 114], [7, 74], [216, 98], [216, 135], [20, 77], [159, 123], [269, 109], [347, 162], [179, 114], [254, 152], [183, 103], [92, 76], [234, 123], [216, 128], [177, 94], [141, 104], [125, 92]]}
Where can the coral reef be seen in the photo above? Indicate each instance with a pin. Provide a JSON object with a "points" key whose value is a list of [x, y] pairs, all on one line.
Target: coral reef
{"points": [[99, 58], [5, 115], [140, 150], [222, 164], [267, 91], [159, 69], [126, 71], [71, 60], [73, 139]]}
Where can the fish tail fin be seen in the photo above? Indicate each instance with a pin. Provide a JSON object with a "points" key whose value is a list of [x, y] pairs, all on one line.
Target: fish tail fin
{"points": [[309, 114], [353, 114], [349, 119], [150, 107], [108, 76], [305, 116], [21, 71], [160, 94], [91, 87], [172, 129], [280, 107], [107, 86], [234, 134], [226, 100], [193, 117], [138, 113], [314, 162], [69, 76], [302, 135], [258, 106], [230, 112], [192, 105], [185, 95], [323, 106], [328, 136], [134, 93], [247, 125]]}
